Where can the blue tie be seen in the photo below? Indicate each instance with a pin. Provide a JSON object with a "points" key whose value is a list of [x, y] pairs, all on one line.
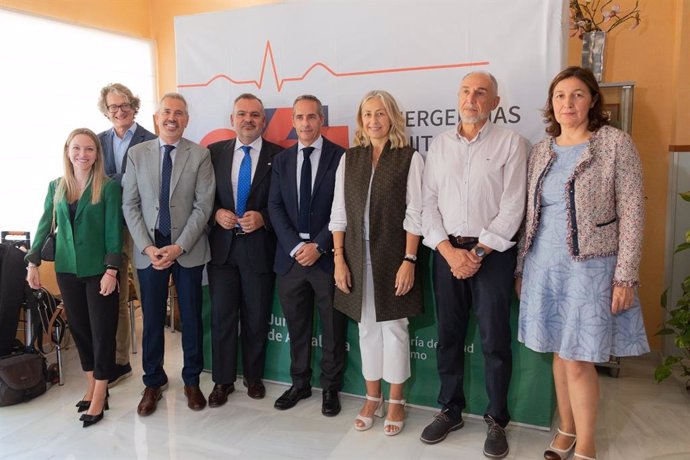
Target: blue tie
{"points": [[164, 222], [305, 191], [244, 181]]}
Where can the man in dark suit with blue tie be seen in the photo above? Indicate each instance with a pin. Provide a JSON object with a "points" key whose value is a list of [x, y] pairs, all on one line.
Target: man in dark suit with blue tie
{"points": [[167, 202], [240, 273], [300, 206], [120, 106]]}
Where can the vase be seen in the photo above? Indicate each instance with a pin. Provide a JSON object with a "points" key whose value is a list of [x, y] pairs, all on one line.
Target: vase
{"points": [[593, 44]]}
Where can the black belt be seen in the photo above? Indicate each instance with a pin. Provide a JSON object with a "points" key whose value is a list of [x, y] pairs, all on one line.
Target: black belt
{"points": [[237, 231], [462, 241]]}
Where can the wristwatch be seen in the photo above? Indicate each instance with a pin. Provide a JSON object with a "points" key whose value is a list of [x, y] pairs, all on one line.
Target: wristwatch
{"points": [[479, 251], [411, 258]]}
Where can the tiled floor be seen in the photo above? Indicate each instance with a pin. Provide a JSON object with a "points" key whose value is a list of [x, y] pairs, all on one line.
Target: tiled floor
{"points": [[638, 420]]}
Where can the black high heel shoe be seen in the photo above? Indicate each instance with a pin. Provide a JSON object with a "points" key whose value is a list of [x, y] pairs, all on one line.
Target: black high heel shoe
{"points": [[91, 419], [83, 405]]}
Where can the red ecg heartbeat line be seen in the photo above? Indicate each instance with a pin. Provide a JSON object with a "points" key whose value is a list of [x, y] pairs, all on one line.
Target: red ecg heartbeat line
{"points": [[268, 54]]}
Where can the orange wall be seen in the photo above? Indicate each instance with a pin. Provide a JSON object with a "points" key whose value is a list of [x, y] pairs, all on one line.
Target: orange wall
{"points": [[648, 56], [681, 128], [654, 56], [130, 17]]}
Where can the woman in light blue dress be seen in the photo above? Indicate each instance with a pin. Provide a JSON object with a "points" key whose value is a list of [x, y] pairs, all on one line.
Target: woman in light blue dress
{"points": [[578, 263]]}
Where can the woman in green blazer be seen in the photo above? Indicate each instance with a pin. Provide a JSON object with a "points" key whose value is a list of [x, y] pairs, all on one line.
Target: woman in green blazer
{"points": [[87, 209]]}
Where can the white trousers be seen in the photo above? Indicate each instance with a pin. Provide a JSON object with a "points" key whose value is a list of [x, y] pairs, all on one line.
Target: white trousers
{"points": [[385, 345]]}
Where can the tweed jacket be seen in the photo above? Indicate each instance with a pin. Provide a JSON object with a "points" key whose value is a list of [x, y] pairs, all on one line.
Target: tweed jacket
{"points": [[604, 201]]}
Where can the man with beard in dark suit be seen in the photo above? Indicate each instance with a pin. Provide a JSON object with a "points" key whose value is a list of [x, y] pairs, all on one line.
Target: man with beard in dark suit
{"points": [[240, 273]]}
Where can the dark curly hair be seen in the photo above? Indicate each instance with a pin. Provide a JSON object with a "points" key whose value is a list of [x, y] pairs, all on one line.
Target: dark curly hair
{"points": [[596, 116]]}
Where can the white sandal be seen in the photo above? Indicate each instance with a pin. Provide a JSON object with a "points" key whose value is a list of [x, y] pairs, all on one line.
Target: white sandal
{"points": [[583, 457], [388, 423], [562, 454], [369, 421]]}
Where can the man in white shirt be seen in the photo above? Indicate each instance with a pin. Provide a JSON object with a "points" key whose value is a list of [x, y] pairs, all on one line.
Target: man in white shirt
{"points": [[473, 204]]}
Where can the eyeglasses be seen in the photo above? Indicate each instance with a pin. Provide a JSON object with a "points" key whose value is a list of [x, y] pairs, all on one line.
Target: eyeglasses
{"points": [[124, 107]]}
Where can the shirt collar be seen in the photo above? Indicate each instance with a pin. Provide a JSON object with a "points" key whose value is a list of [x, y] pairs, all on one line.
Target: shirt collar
{"points": [[161, 143], [255, 145], [130, 130], [317, 144], [484, 131]]}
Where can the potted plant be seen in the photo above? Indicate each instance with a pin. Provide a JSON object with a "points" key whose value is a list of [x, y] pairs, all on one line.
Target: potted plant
{"points": [[597, 15], [591, 20], [678, 325]]}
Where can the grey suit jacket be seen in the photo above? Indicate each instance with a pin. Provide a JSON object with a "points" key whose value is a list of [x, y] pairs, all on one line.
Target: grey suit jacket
{"points": [[192, 189]]}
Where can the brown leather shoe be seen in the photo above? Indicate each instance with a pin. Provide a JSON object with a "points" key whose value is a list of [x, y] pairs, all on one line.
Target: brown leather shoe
{"points": [[219, 395], [149, 401], [256, 389], [195, 398]]}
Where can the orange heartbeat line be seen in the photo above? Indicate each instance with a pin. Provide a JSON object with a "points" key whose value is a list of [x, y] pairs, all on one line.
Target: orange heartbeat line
{"points": [[268, 53]]}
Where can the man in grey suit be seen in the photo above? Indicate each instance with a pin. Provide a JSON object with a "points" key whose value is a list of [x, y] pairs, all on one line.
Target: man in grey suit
{"points": [[119, 105], [167, 202]]}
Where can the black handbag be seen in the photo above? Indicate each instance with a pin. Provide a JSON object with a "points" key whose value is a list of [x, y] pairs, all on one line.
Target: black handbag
{"points": [[48, 248], [22, 377]]}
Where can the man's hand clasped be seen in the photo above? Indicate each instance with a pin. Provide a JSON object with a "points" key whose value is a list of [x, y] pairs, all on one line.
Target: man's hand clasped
{"points": [[163, 258]]}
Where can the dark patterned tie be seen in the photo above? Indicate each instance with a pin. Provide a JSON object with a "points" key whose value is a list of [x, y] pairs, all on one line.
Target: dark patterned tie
{"points": [[164, 222], [244, 181], [305, 191]]}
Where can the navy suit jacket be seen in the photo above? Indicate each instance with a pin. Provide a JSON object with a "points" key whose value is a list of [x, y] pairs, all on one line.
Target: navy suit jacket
{"points": [[283, 209], [262, 242], [140, 135]]}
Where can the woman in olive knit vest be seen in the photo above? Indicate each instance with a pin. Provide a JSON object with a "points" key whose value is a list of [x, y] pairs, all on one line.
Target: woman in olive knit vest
{"points": [[376, 225]]}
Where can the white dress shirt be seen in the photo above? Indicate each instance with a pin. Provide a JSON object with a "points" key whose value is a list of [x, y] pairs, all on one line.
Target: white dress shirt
{"points": [[475, 188], [237, 158], [413, 199]]}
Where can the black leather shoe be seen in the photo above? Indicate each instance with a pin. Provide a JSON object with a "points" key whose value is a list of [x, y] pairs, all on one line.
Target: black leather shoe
{"points": [[331, 403], [219, 395], [256, 390], [291, 397]]}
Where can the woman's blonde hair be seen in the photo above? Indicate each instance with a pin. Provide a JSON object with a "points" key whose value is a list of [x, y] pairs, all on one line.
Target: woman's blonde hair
{"points": [[68, 187], [396, 134]]}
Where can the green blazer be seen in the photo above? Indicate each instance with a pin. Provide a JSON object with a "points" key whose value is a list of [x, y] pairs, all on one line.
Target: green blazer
{"points": [[93, 243]]}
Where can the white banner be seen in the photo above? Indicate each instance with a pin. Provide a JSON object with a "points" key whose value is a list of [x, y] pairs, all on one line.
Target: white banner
{"points": [[339, 50]]}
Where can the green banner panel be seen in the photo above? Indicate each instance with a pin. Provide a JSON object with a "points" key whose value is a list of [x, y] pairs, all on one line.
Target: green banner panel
{"points": [[531, 397]]}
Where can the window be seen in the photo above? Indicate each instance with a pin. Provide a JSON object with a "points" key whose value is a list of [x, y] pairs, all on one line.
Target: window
{"points": [[51, 74]]}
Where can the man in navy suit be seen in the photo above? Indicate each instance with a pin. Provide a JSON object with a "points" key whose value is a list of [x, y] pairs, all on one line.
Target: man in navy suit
{"points": [[300, 206], [120, 106], [240, 272]]}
